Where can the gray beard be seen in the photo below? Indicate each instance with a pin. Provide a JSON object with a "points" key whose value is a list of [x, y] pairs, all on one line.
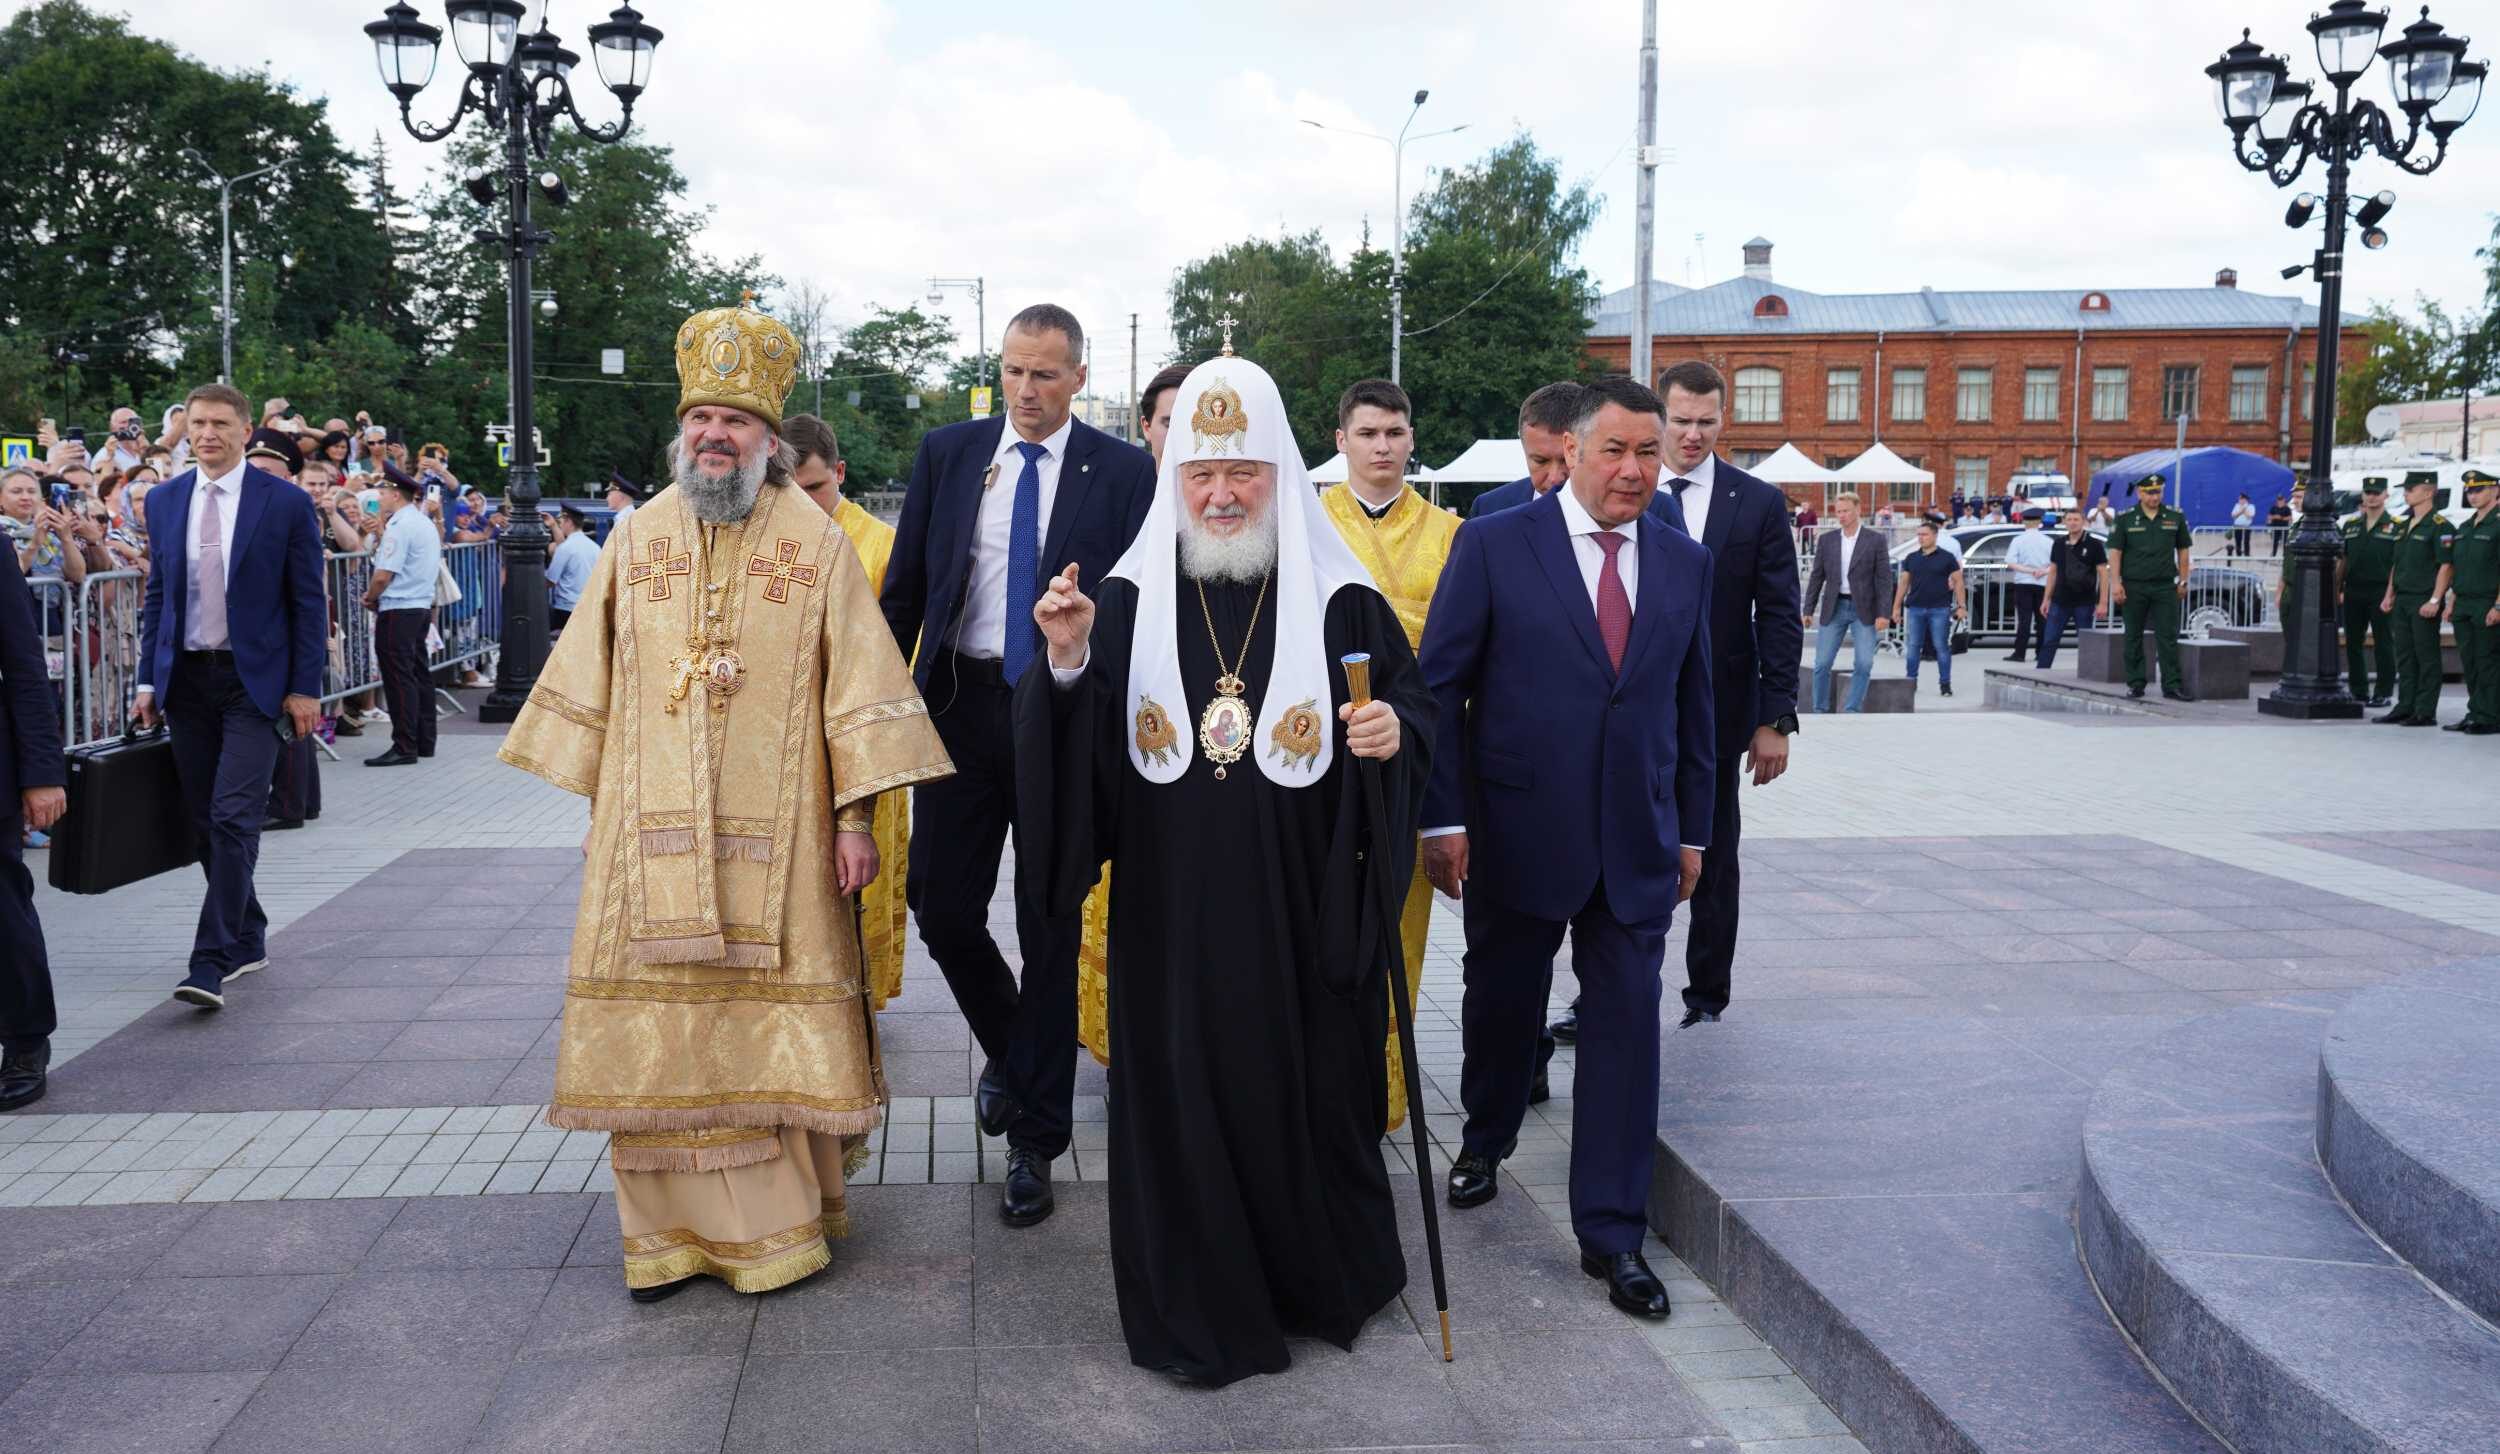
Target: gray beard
{"points": [[724, 500], [1238, 560]]}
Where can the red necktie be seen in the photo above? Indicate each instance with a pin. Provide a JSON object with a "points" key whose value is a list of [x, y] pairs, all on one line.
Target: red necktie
{"points": [[1614, 608]]}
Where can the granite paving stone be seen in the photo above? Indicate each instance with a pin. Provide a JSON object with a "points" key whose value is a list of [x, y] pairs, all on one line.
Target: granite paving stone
{"points": [[437, 1316], [899, 1302], [196, 1325], [177, 1413], [645, 1406], [587, 1317], [387, 1409], [248, 1240], [1089, 1396]]}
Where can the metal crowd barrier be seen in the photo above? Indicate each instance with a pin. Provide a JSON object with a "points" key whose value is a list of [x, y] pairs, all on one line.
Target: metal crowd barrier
{"points": [[91, 635]]}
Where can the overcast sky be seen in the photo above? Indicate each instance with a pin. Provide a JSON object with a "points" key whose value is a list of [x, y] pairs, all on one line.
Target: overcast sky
{"points": [[1080, 152]]}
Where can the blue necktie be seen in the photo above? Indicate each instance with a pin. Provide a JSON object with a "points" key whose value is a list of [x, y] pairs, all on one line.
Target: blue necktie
{"points": [[1024, 555]]}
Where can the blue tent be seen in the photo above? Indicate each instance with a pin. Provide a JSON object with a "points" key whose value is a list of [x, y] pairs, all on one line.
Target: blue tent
{"points": [[2216, 478]]}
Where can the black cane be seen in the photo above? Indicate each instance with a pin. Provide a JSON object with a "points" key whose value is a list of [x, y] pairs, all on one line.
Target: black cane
{"points": [[1358, 683]]}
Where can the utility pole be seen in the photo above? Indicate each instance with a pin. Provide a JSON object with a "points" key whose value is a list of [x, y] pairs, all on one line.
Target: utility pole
{"points": [[1645, 215], [225, 256], [1134, 433]]}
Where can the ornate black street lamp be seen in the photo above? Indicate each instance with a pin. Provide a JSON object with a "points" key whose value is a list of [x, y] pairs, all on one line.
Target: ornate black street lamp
{"points": [[2277, 126], [522, 85]]}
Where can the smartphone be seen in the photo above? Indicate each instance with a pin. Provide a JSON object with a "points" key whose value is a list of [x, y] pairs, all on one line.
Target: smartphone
{"points": [[286, 727], [77, 434]]}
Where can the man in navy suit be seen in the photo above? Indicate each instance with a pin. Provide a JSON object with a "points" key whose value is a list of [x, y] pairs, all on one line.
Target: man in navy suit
{"points": [[31, 775], [1545, 421], [1571, 790], [231, 646], [992, 514], [1757, 628]]}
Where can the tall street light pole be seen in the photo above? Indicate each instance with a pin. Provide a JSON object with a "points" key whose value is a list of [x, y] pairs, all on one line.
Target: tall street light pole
{"points": [[2276, 129], [521, 86], [225, 256], [1397, 230], [980, 291], [1645, 215]]}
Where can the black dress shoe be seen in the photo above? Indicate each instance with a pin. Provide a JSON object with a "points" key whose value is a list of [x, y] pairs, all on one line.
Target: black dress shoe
{"points": [[1474, 1180], [2458, 725], [2482, 729], [2421, 722], [2376, 702], [2396, 719], [1028, 1198], [2179, 694], [659, 1294], [22, 1075], [993, 1109], [1698, 1017], [425, 752], [1540, 1090], [1566, 1026], [1630, 1285], [280, 825], [1947, 689], [2136, 692], [392, 758]]}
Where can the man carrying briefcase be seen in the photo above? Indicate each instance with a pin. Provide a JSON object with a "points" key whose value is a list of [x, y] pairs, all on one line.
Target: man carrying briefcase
{"points": [[30, 797]]}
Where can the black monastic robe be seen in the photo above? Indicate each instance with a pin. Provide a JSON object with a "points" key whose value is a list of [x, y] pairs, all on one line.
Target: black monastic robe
{"points": [[1249, 1201]]}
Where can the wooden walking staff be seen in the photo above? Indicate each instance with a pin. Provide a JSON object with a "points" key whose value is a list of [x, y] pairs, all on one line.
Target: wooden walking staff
{"points": [[1358, 685]]}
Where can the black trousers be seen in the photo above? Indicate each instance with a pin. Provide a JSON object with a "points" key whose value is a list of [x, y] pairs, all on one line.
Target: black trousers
{"points": [[959, 829], [1710, 919], [27, 1016], [407, 688], [225, 749], [2026, 615]]}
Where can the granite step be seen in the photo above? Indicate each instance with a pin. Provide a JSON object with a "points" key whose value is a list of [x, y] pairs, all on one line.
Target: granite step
{"points": [[2408, 1096], [2219, 1246]]}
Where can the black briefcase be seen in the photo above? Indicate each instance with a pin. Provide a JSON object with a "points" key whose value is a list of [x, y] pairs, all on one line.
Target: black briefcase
{"points": [[126, 819]]}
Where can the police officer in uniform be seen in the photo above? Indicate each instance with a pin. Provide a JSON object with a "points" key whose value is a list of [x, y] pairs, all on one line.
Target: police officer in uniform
{"points": [[2474, 613], [2148, 557], [2416, 587], [2369, 554]]}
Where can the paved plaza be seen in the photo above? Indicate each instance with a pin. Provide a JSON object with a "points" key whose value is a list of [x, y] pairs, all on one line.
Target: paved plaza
{"points": [[331, 1218]]}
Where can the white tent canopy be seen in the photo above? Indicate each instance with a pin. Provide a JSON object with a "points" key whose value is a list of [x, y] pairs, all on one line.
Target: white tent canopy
{"points": [[1789, 466], [1880, 466], [1331, 473], [1486, 462]]}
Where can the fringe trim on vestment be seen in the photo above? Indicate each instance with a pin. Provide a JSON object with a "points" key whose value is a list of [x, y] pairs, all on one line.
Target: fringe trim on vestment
{"points": [[697, 1118], [691, 949], [752, 956], [854, 1155], [662, 842], [686, 1262], [694, 1151], [741, 845]]}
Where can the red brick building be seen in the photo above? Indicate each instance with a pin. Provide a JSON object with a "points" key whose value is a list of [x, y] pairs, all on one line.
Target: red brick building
{"points": [[1977, 386]]}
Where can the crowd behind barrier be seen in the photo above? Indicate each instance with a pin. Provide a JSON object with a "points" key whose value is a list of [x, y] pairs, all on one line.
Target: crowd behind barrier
{"points": [[91, 634]]}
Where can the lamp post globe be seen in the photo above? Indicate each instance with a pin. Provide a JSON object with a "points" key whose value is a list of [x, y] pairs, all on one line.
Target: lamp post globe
{"points": [[484, 32], [2347, 35], [622, 46], [2465, 95], [2244, 81], [2422, 64]]}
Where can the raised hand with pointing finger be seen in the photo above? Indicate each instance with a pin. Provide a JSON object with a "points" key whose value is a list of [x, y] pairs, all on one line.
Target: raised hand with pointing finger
{"points": [[1066, 618]]}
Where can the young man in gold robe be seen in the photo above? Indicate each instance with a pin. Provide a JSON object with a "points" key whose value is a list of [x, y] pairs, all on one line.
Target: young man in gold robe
{"points": [[884, 919], [728, 696]]}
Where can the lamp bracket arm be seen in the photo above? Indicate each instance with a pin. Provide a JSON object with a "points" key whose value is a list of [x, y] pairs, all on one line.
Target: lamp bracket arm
{"points": [[473, 97]]}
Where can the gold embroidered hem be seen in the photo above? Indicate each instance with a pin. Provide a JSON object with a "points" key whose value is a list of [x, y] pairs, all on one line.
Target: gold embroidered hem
{"points": [[755, 1227], [717, 1149], [703, 1113]]}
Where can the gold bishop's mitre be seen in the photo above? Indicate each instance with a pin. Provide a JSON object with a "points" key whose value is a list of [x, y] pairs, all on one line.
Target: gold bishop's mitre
{"points": [[738, 358]]}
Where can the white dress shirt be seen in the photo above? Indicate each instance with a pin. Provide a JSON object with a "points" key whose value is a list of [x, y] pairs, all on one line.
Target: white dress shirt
{"points": [[982, 630], [1848, 548], [1693, 491], [229, 505], [2028, 554]]}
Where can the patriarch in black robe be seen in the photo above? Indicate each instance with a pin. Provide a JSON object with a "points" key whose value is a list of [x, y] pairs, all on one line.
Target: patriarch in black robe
{"points": [[1194, 731]]}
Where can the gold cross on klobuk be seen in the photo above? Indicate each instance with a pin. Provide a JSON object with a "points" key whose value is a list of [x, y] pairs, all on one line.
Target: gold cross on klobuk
{"points": [[783, 566], [659, 568]]}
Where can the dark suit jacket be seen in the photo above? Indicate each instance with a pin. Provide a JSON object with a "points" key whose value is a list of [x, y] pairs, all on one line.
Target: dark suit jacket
{"points": [[276, 621], [1755, 624], [1105, 485], [1563, 770], [1870, 575], [30, 720], [1663, 507]]}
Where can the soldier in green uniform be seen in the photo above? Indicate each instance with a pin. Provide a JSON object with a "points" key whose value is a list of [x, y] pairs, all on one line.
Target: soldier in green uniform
{"points": [[2416, 587], [2473, 613], [2369, 554], [2148, 559]]}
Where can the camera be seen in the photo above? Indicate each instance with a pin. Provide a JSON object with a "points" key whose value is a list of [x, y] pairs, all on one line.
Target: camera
{"points": [[127, 431]]}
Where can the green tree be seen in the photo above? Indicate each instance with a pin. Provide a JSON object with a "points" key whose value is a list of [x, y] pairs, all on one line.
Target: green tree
{"points": [[897, 356], [2408, 362]]}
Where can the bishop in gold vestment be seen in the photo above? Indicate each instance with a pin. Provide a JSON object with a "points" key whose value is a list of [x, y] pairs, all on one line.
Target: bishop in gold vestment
{"points": [[729, 698]]}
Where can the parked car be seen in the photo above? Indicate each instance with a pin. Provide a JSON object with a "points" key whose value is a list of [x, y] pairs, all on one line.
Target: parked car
{"points": [[2216, 595]]}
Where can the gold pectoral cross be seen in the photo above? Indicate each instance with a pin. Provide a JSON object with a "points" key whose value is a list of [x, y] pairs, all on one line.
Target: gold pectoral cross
{"points": [[684, 672], [659, 568]]}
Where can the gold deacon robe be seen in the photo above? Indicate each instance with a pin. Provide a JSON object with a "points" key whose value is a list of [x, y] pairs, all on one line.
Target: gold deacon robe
{"points": [[1404, 551], [884, 919], [725, 695]]}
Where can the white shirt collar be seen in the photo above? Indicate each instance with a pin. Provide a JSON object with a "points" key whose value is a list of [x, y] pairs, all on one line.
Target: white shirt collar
{"points": [[1704, 474], [1055, 447], [228, 483], [1577, 521]]}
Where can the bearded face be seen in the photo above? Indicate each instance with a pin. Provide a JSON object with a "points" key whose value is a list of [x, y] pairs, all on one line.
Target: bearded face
{"points": [[1228, 528], [721, 460]]}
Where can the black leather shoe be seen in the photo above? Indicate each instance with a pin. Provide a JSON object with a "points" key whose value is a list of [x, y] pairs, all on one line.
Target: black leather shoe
{"points": [[22, 1076], [1028, 1198], [2136, 692], [2179, 694], [1698, 1017], [1474, 1180], [2397, 719], [392, 758], [1630, 1285], [2421, 722], [1540, 1090], [2376, 702], [2013, 656], [993, 1109], [2457, 726], [1947, 689], [280, 825], [425, 752], [1566, 1026], [2482, 729], [659, 1294]]}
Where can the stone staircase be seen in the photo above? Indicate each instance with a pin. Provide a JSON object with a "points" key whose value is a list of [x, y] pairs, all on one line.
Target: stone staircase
{"points": [[2293, 1211]]}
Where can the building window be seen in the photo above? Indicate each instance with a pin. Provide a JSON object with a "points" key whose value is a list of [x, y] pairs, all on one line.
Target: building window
{"points": [[1747, 458], [2109, 393], [1909, 395], [2178, 392], [2248, 394], [2040, 395], [1972, 389], [1906, 494], [1835, 461], [2309, 391], [2095, 303], [1757, 396], [1970, 476], [1770, 305], [2039, 464], [1840, 396]]}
